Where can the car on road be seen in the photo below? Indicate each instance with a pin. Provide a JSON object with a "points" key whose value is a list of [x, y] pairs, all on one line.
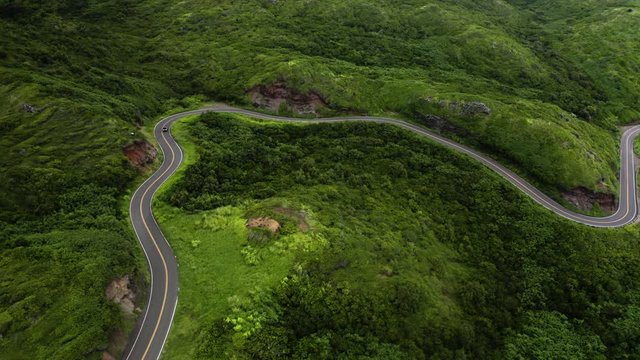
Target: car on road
{"points": [[165, 129]]}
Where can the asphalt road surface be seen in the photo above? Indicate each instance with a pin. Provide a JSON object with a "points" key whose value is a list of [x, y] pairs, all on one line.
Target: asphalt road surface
{"points": [[150, 334]]}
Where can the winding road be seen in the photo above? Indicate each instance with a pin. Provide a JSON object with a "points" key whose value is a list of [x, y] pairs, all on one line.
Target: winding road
{"points": [[149, 335]]}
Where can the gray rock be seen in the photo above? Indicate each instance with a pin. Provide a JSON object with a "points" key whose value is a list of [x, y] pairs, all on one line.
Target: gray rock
{"points": [[475, 108], [29, 108]]}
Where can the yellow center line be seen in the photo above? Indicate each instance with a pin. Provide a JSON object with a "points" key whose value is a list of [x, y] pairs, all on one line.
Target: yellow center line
{"points": [[401, 123], [164, 263]]}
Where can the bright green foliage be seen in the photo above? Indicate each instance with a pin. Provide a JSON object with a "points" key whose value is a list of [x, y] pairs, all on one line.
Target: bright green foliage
{"points": [[96, 70], [63, 234], [533, 62], [627, 330], [211, 249], [595, 35], [55, 308], [380, 56], [425, 254], [548, 335]]}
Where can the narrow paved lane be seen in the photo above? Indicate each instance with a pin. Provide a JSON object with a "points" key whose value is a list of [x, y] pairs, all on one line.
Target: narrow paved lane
{"points": [[149, 336]]}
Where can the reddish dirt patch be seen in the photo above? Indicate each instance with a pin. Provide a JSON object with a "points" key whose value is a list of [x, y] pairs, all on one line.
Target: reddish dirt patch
{"points": [[272, 97], [264, 223], [140, 153], [299, 216], [585, 199]]}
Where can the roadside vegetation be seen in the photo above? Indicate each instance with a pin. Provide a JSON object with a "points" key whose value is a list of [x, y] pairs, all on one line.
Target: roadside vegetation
{"points": [[553, 111], [70, 99], [81, 79], [389, 247]]}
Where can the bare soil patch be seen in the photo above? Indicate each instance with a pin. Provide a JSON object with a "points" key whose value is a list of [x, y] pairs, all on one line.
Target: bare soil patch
{"points": [[140, 153], [586, 199]]}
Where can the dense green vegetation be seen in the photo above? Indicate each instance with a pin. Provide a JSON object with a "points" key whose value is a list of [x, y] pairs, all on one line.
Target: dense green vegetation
{"points": [[63, 220], [412, 252], [96, 72], [63, 236], [534, 63], [377, 56]]}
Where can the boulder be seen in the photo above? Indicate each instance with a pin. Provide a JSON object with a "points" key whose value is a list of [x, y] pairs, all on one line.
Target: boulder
{"points": [[475, 108], [29, 108], [121, 291]]}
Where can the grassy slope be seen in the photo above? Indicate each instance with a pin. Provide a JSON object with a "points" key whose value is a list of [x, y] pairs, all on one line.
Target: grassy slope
{"points": [[491, 274], [381, 56], [63, 228], [100, 68], [595, 35], [198, 240]]}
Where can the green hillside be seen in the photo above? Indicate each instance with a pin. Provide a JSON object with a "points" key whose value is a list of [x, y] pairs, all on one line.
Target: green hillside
{"points": [[380, 56], [389, 247], [81, 79]]}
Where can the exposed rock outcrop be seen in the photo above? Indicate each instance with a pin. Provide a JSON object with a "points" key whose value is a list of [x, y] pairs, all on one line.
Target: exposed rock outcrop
{"points": [[462, 108], [441, 124], [475, 109], [140, 153], [29, 108], [264, 223], [586, 199], [273, 97], [122, 291]]}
